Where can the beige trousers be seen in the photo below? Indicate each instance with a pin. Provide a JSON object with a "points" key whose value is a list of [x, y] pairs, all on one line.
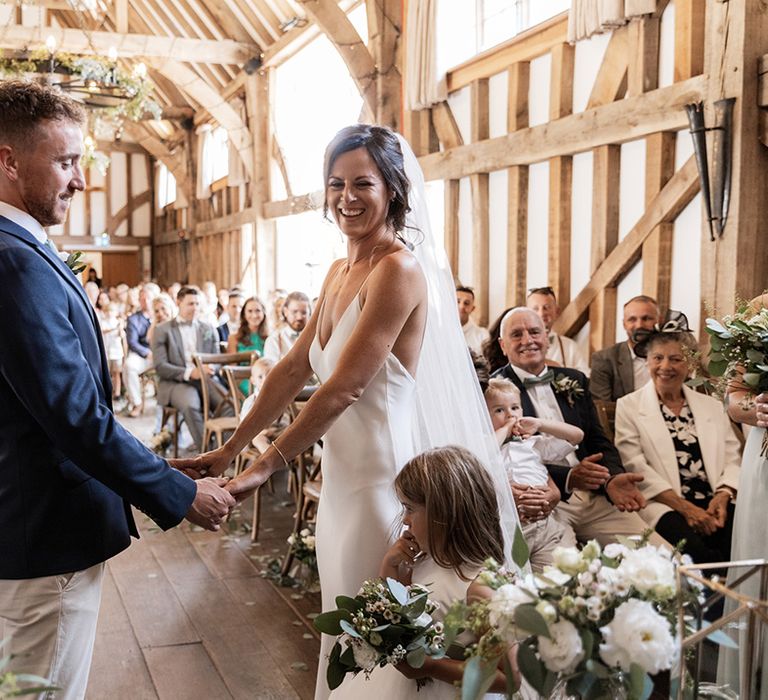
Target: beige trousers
{"points": [[593, 517], [49, 625], [543, 536]]}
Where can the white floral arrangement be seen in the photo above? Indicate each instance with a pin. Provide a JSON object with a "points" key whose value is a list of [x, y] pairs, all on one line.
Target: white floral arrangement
{"points": [[385, 623], [598, 623]]}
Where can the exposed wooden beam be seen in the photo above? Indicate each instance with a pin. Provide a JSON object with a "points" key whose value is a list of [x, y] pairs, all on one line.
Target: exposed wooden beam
{"points": [[124, 213], [479, 184], [643, 72], [665, 207], [18, 38], [611, 81], [524, 47], [690, 18], [121, 16], [221, 110], [87, 242], [627, 120], [446, 128], [297, 204], [385, 22], [518, 82]]}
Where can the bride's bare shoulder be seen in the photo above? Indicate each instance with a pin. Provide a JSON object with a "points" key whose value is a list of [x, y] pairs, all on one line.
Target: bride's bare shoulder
{"points": [[400, 266]]}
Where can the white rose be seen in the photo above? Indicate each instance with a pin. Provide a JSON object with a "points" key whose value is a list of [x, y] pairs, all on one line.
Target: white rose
{"points": [[591, 550], [502, 609], [547, 611], [650, 571], [638, 634], [551, 575], [309, 541], [366, 657], [564, 650], [569, 560], [615, 550]]}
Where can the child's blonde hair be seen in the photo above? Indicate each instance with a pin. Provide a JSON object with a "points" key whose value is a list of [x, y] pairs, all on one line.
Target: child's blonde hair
{"points": [[263, 363], [459, 498], [501, 385]]}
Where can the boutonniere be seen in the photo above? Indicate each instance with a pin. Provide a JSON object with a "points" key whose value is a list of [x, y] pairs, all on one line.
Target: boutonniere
{"points": [[74, 262], [570, 388]]}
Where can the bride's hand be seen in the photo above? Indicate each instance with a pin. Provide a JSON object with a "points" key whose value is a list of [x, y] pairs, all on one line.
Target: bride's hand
{"points": [[212, 463], [244, 485]]}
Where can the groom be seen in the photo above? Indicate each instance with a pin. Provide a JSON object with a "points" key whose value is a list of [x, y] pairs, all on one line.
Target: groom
{"points": [[68, 470]]}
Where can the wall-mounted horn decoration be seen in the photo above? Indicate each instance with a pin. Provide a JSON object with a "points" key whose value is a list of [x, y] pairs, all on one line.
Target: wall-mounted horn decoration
{"points": [[715, 186]]}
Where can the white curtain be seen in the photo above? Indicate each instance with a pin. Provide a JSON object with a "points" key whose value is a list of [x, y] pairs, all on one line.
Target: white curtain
{"points": [[204, 163], [588, 17], [424, 82]]}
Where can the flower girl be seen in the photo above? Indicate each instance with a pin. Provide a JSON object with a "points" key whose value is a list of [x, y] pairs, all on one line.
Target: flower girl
{"points": [[451, 515]]}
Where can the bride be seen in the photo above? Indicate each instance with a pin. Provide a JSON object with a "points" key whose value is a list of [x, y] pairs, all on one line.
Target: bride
{"points": [[396, 376]]}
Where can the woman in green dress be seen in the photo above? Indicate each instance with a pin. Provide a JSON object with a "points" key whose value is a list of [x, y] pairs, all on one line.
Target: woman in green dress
{"points": [[253, 331]]}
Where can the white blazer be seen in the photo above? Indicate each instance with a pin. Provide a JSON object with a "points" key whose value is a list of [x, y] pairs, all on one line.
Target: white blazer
{"points": [[646, 447]]}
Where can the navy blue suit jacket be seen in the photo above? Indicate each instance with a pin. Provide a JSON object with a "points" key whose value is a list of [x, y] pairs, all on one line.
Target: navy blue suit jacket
{"points": [[68, 469], [582, 414]]}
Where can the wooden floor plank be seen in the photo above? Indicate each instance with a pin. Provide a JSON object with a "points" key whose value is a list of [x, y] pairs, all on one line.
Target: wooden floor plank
{"points": [[185, 672], [233, 642], [118, 669], [156, 614]]}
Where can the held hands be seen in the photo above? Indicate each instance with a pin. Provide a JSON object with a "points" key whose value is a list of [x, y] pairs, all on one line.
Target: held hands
{"points": [[702, 521], [211, 505], [212, 463], [533, 502]]}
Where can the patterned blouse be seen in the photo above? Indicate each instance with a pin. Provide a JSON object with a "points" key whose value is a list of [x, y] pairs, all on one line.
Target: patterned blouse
{"points": [[694, 485]]}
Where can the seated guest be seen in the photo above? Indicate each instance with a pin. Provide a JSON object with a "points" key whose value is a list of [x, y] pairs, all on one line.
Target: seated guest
{"points": [[295, 314], [598, 495], [108, 313], [231, 324], [526, 444], [163, 309], [683, 445], [173, 345], [252, 331], [562, 352], [618, 370], [474, 335], [139, 356]]}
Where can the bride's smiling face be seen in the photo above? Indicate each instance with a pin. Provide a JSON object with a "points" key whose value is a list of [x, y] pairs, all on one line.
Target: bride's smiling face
{"points": [[357, 194]]}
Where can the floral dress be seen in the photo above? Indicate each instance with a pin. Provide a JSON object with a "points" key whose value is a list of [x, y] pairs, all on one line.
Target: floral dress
{"points": [[694, 484]]}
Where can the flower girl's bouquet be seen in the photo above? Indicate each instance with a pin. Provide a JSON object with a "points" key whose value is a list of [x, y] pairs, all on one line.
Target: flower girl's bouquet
{"points": [[594, 625], [385, 623]]}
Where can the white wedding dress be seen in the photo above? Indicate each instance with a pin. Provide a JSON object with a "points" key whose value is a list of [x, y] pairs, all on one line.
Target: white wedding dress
{"points": [[750, 534], [363, 452], [388, 683]]}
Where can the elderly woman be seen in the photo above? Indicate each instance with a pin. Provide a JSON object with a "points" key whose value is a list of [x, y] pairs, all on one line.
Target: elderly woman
{"points": [[683, 445]]}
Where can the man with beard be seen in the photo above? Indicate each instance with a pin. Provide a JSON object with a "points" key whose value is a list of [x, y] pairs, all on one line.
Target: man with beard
{"points": [[295, 316], [68, 470]]}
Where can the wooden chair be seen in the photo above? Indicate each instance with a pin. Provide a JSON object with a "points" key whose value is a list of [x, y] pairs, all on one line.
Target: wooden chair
{"points": [[606, 412], [168, 413], [216, 425], [147, 377]]}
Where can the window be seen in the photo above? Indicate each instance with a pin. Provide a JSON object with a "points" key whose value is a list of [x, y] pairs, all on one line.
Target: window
{"points": [[219, 153], [166, 187]]}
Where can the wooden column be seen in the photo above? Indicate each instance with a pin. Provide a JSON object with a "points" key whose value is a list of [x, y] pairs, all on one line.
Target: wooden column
{"points": [[736, 265], [385, 21], [606, 168], [480, 215], [657, 248], [518, 77], [560, 177], [257, 94], [689, 38]]}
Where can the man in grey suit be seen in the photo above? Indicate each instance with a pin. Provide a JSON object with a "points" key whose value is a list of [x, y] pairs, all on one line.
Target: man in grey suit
{"points": [[617, 371], [173, 344]]}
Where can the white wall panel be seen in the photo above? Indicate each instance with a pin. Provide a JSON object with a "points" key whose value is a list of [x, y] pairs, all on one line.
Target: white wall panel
{"points": [[581, 221], [497, 276], [538, 221], [587, 59]]}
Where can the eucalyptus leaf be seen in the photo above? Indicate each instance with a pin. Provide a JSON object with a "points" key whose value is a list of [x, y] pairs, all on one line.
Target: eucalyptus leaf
{"points": [[346, 603], [330, 622], [751, 379], [478, 677], [717, 369], [509, 675], [520, 551], [349, 628], [531, 620], [719, 637], [715, 326], [639, 683], [600, 670], [416, 657], [398, 590], [532, 669], [716, 357]]}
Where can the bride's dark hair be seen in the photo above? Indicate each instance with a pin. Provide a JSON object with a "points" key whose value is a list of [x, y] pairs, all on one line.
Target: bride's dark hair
{"points": [[384, 148]]}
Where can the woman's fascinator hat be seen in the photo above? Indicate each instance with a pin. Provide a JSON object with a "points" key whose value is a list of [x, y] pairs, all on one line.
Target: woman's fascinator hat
{"points": [[674, 327]]}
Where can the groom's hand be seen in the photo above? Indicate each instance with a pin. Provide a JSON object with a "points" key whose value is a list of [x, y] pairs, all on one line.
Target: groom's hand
{"points": [[211, 505]]}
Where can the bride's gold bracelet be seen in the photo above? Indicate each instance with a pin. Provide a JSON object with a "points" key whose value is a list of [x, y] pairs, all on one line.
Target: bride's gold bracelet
{"points": [[279, 451]]}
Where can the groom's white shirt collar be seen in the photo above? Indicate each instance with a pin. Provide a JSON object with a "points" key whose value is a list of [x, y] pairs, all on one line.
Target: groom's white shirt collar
{"points": [[24, 220]]}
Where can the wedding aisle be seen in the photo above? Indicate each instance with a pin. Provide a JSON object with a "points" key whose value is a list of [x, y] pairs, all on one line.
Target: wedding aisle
{"points": [[186, 614]]}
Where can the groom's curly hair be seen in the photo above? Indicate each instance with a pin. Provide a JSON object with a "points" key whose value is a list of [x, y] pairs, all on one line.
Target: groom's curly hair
{"points": [[384, 148]]}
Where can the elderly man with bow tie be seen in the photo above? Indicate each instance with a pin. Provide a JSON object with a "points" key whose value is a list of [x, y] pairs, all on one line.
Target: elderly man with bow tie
{"points": [[599, 499]]}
